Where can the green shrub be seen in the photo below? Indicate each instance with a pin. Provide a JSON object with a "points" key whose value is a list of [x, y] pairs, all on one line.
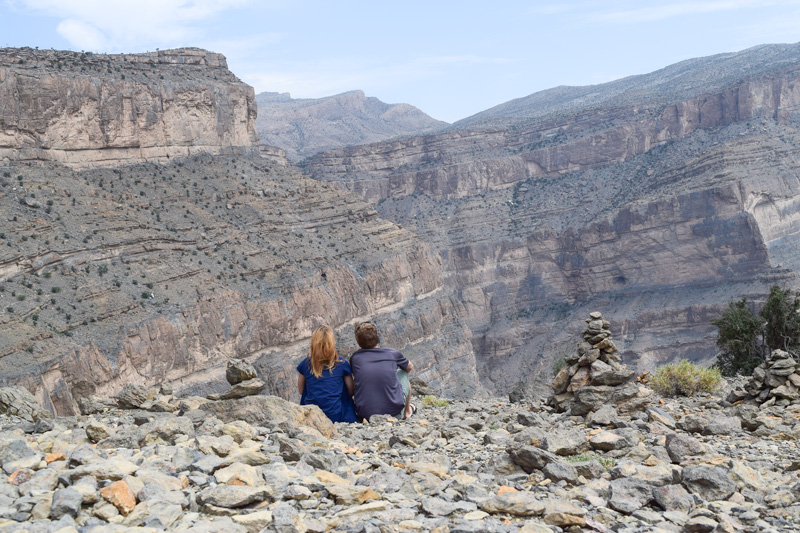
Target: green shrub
{"points": [[433, 401], [685, 379], [558, 364]]}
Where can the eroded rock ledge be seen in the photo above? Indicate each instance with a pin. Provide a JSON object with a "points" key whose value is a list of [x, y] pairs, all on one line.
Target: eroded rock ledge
{"points": [[87, 110]]}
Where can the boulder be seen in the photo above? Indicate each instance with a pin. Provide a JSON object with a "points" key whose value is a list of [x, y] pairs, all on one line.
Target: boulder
{"points": [[239, 370], [256, 410], [17, 401], [711, 483]]}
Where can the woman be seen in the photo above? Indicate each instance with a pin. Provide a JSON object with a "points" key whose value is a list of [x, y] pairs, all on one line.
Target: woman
{"points": [[326, 380]]}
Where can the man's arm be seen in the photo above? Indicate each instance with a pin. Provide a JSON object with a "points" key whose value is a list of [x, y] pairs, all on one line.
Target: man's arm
{"points": [[410, 366]]}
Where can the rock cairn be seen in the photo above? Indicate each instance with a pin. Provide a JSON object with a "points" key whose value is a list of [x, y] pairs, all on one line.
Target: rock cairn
{"points": [[243, 380], [776, 381], [594, 375]]}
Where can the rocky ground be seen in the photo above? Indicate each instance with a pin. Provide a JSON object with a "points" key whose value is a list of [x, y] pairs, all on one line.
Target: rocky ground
{"points": [[699, 464]]}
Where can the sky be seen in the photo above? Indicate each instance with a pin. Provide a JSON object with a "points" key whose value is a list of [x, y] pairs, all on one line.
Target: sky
{"points": [[451, 59]]}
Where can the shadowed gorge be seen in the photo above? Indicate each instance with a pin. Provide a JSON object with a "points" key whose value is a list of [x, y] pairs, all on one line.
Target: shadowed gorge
{"points": [[656, 198]]}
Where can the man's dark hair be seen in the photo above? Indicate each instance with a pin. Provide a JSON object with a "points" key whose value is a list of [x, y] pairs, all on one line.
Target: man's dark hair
{"points": [[366, 335]]}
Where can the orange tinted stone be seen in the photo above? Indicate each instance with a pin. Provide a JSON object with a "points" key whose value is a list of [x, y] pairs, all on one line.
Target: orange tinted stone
{"points": [[504, 489], [120, 495], [23, 475], [53, 457]]}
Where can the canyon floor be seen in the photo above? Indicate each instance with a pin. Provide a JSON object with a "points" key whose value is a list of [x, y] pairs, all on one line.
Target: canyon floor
{"points": [[687, 464]]}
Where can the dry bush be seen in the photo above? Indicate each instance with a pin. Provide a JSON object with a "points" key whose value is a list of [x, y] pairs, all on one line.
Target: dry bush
{"points": [[685, 379]]}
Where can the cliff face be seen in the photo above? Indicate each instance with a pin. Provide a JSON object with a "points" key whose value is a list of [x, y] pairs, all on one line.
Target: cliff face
{"points": [[154, 273], [306, 126], [656, 213], [87, 110], [120, 263]]}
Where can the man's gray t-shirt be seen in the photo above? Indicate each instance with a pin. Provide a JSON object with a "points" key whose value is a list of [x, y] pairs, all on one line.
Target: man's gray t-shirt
{"points": [[378, 391]]}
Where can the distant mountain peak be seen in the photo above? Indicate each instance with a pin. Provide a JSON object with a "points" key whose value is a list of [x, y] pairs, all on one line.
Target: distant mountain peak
{"points": [[306, 126]]}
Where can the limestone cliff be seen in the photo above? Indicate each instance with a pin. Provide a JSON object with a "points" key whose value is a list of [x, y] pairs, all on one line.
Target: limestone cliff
{"points": [[86, 110], [153, 273], [121, 262], [655, 200]]}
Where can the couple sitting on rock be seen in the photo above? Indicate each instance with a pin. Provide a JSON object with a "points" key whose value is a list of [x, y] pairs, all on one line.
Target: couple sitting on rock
{"points": [[381, 378]]}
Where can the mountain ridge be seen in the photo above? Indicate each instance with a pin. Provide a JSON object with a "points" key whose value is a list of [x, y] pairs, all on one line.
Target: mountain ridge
{"points": [[305, 126]]}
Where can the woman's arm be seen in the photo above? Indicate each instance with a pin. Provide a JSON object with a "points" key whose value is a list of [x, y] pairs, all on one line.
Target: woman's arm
{"points": [[301, 383], [348, 382]]}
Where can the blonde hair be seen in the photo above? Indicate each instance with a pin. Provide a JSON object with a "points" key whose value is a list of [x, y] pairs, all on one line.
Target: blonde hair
{"points": [[322, 353]]}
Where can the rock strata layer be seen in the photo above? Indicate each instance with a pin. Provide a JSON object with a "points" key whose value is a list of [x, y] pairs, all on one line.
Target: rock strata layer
{"points": [[156, 274], [87, 110], [657, 198]]}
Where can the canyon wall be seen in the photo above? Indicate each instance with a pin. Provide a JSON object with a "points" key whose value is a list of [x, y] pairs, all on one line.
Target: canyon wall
{"points": [[149, 239], [656, 212], [86, 110], [161, 273]]}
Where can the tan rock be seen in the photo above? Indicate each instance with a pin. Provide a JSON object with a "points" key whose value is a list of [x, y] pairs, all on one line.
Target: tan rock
{"points": [[120, 496]]}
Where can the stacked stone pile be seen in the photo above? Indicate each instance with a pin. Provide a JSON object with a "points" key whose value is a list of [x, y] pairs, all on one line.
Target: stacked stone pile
{"points": [[594, 375], [776, 381], [478, 465], [243, 380]]}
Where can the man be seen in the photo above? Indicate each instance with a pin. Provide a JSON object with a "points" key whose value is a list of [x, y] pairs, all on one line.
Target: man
{"points": [[381, 376]]}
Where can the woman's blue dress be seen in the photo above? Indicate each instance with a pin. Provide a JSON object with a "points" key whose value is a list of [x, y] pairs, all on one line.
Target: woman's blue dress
{"points": [[328, 391]]}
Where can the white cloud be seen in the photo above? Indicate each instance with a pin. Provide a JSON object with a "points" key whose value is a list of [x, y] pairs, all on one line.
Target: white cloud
{"points": [[82, 35], [122, 25]]}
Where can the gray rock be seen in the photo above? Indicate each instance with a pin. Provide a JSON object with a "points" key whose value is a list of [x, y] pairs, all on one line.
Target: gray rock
{"points": [[322, 460], [604, 374], [693, 423], [96, 431], [605, 415], [531, 458], [711, 483], [162, 514], [570, 442], [561, 471], [589, 469], [529, 418], [239, 370], [291, 449], [438, 507], [233, 496], [164, 429], [92, 405], [245, 388], [66, 502], [629, 495], [700, 524], [680, 447], [673, 498], [285, 519], [615, 439], [722, 425], [662, 417], [591, 398], [17, 401], [134, 396]]}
